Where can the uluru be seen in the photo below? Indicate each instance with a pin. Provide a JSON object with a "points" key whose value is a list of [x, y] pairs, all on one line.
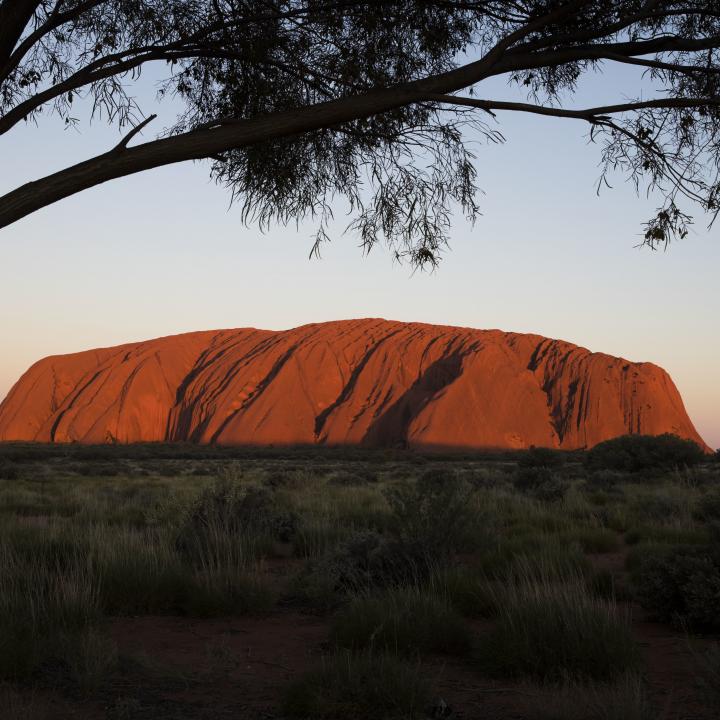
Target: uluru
{"points": [[368, 382]]}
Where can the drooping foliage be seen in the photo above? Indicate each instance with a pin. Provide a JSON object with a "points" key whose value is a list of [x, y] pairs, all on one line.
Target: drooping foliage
{"points": [[299, 104]]}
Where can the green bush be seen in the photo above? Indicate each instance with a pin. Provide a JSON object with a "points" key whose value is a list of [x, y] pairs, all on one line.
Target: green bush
{"points": [[402, 621], [643, 453], [231, 527], [604, 480], [434, 512], [594, 539], [542, 457], [364, 562], [540, 482], [8, 470], [681, 585], [369, 686], [655, 507], [707, 508]]}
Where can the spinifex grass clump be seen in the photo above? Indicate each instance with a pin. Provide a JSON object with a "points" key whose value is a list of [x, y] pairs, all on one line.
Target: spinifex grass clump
{"points": [[553, 630], [623, 699], [372, 686], [466, 589], [402, 621], [45, 606]]}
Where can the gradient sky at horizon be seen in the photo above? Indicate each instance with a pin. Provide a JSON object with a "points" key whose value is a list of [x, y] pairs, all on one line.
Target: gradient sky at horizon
{"points": [[162, 253]]}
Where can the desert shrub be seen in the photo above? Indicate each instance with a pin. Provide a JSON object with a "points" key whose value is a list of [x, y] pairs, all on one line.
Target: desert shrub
{"points": [[231, 527], [553, 631], [541, 457], [707, 674], [594, 539], [667, 535], [469, 591], [655, 507], [372, 686], [229, 473], [290, 478], [604, 480], [401, 621], [108, 469], [483, 477], [434, 512], [538, 553], [279, 478], [137, 574], [363, 562], [226, 591], [8, 470], [707, 511], [644, 453], [681, 585], [356, 476], [609, 585], [540, 482], [707, 508], [318, 533], [550, 557]]}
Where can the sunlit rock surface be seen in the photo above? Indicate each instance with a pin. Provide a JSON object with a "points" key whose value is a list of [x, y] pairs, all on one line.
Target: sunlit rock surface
{"points": [[362, 382]]}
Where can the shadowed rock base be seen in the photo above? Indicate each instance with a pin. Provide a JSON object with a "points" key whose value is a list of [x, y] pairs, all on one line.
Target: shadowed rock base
{"points": [[362, 382]]}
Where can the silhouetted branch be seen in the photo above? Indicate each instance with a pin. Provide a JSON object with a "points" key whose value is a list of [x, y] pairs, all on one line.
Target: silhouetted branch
{"points": [[122, 145]]}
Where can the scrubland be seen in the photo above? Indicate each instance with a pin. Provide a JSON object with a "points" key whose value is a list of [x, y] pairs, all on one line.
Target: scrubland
{"points": [[186, 582]]}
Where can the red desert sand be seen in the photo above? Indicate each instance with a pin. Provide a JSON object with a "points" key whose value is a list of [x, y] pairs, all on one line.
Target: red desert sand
{"points": [[361, 382]]}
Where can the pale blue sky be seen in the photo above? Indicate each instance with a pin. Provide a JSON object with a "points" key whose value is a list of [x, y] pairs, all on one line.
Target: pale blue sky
{"points": [[161, 253]]}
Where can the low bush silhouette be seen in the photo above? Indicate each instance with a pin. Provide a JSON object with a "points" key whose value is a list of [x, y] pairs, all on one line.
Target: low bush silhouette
{"points": [[540, 482], [644, 453], [434, 512], [542, 457], [681, 585], [364, 562]]}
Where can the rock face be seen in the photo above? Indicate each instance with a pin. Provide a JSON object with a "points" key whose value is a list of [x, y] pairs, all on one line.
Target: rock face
{"points": [[364, 382]]}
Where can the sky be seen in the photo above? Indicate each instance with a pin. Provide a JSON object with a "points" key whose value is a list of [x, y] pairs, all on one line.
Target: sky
{"points": [[164, 252]]}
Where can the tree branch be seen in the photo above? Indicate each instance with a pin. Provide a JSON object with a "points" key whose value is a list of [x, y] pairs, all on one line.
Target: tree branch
{"points": [[55, 20], [199, 144], [122, 145], [213, 139], [516, 60], [594, 114], [14, 18]]}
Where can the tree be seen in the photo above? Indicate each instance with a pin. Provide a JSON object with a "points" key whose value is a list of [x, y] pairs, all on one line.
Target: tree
{"points": [[298, 102]]}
